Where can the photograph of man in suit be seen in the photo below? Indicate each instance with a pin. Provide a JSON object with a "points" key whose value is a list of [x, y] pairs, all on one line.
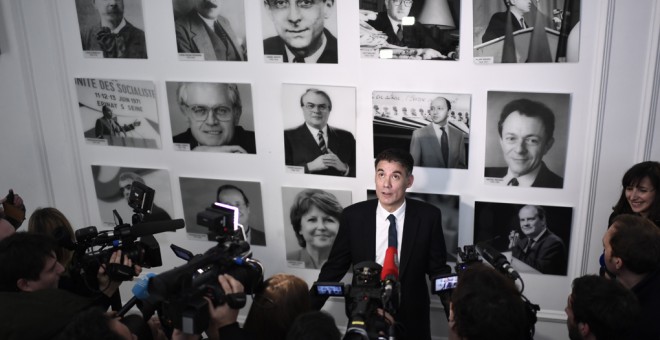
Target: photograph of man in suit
{"points": [[233, 195], [439, 144], [526, 129], [206, 31], [108, 125], [126, 180], [497, 25], [213, 111], [416, 232], [112, 34], [301, 33], [539, 247], [315, 146]]}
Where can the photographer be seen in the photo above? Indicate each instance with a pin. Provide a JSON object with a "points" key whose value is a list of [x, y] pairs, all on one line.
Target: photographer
{"points": [[487, 305]]}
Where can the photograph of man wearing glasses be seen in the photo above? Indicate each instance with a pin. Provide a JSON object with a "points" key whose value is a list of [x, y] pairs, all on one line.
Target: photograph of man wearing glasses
{"points": [[213, 112], [315, 147]]}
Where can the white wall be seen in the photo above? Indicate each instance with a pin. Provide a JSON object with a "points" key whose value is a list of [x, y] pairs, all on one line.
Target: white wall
{"points": [[43, 155]]}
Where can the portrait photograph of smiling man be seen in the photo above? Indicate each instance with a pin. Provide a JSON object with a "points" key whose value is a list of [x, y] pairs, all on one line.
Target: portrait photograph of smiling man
{"points": [[302, 31], [527, 138], [211, 117]]}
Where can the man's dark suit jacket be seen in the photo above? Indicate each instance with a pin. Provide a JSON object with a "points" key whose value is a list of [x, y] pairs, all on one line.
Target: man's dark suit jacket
{"points": [[544, 179], [104, 127], [134, 41], [548, 255], [257, 237], [300, 148], [497, 26], [423, 253], [275, 46], [192, 36], [414, 36], [242, 138]]}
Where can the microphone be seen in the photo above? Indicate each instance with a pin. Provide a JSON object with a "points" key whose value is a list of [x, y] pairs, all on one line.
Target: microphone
{"points": [[143, 229], [390, 275], [497, 260], [140, 292]]}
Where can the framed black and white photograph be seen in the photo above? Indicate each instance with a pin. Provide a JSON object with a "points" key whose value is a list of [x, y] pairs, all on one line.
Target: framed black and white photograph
{"points": [[299, 31], [199, 194], [434, 127], [113, 185], [448, 205], [311, 223], [319, 135], [211, 117], [119, 112], [407, 29], [534, 238], [526, 31], [112, 28], [527, 139], [210, 30]]}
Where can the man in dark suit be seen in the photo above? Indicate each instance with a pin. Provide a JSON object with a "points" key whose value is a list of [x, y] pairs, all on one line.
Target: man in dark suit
{"points": [[539, 248], [302, 36], [526, 131], [315, 146], [108, 126], [497, 25], [439, 144], [203, 30], [233, 195], [364, 235], [114, 35]]}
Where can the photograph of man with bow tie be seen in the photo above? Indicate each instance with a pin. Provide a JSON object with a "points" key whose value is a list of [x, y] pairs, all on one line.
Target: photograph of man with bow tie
{"points": [[106, 33]]}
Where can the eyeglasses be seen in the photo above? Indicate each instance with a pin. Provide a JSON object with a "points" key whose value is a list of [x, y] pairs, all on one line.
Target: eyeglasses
{"points": [[320, 107], [407, 3], [221, 113], [284, 4]]}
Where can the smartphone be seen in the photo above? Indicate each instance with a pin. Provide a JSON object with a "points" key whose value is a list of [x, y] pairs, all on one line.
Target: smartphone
{"points": [[444, 282]]}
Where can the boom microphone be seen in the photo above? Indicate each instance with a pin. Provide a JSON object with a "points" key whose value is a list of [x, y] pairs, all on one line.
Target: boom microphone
{"points": [[143, 229], [497, 260]]}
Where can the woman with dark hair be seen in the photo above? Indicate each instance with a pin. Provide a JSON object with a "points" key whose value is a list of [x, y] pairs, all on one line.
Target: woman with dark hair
{"points": [[52, 222], [274, 308], [638, 195], [315, 220]]}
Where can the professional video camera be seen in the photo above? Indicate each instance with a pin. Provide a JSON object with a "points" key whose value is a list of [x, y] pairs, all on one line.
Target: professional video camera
{"points": [[363, 298], [222, 221], [94, 248], [180, 291]]}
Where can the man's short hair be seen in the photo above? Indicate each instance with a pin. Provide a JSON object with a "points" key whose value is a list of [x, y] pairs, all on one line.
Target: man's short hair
{"points": [[318, 325], [320, 93], [89, 324], [540, 212], [229, 187], [479, 302], [232, 91], [636, 240], [23, 256], [130, 176], [396, 155], [106, 109], [446, 101], [529, 108], [605, 305]]}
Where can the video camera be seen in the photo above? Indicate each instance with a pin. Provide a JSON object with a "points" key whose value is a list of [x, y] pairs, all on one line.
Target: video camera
{"points": [[181, 291], [363, 298], [445, 282]]}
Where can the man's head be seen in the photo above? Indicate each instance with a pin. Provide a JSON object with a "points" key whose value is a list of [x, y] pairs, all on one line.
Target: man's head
{"points": [[300, 23], [107, 112], [126, 180], [233, 195], [532, 220], [526, 131], [96, 324], [519, 6], [28, 263], [599, 308], [112, 10], [209, 9], [398, 9], [213, 110], [632, 243], [393, 176], [316, 106], [439, 110], [478, 304]]}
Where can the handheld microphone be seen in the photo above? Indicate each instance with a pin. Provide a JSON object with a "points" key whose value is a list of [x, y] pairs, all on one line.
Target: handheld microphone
{"points": [[390, 276], [140, 292], [497, 260]]}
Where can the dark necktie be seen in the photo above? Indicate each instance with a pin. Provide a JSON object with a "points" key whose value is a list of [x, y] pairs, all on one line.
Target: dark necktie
{"points": [[391, 233], [322, 146], [444, 146], [513, 182], [522, 23], [399, 33], [222, 34], [112, 45], [299, 59]]}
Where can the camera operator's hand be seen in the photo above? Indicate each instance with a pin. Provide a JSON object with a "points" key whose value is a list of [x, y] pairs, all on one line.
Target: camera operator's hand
{"points": [[108, 286], [223, 315], [179, 335]]}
